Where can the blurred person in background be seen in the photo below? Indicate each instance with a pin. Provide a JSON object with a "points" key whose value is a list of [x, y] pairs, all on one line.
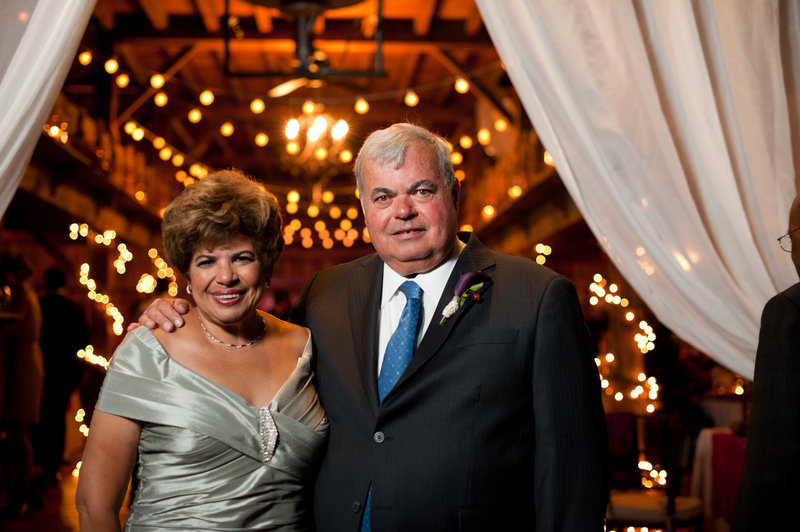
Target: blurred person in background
{"points": [[64, 332], [24, 375]]}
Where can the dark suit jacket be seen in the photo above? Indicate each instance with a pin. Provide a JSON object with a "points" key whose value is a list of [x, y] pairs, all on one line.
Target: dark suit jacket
{"points": [[496, 424], [769, 493]]}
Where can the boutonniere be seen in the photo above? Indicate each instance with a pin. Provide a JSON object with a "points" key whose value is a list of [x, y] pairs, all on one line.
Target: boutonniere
{"points": [[466, 287]]}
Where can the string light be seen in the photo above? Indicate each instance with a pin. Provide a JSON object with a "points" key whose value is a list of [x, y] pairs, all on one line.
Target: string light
{"points": [[542, 252], [361, 106], [111, 66], [411, 98], [644, 389], [257, 106], [195, 116], [206, 97], [226, 129], [160, 99], [461, 85], [157, 81]]}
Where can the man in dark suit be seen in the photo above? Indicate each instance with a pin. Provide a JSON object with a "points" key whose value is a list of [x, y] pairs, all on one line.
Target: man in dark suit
{"points": [[768, 493], [497, 421]]}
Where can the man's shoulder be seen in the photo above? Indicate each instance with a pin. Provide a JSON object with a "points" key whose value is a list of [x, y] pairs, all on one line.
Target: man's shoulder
{"points": [[348, 268], [792, 294], [513, 265]]}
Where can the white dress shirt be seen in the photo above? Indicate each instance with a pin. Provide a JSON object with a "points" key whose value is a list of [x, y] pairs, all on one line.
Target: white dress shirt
{"points": [[393, 301]]}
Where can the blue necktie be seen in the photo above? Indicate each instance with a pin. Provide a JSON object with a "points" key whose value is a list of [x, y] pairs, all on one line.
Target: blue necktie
{"points": [[398, 354], [401, 345]]}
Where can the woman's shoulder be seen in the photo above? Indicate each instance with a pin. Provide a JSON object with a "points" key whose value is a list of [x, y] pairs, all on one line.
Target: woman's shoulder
{"points": [[288, 333]]}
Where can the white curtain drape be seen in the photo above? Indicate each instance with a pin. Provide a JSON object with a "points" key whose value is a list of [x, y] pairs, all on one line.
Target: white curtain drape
{"points": [[674, 126], [38, 40]]}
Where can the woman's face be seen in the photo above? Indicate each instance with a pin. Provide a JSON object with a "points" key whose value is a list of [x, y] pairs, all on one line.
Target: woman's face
{"points": [[227, 281]]}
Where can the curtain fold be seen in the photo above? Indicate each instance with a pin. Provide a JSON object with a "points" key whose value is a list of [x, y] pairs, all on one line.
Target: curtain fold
{"points": [[673, 127], [38, 41]]}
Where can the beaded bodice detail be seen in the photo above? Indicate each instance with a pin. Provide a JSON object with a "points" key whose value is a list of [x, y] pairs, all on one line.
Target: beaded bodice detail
{"points": [[269, 433]]}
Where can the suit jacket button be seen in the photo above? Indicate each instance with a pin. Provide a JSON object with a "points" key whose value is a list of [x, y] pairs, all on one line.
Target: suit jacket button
{"points": [[356, 506], [378, 437]]}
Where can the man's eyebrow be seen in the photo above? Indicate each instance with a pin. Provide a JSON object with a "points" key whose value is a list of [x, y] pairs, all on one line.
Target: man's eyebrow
{"points": [[422, 183], [379, 191]]}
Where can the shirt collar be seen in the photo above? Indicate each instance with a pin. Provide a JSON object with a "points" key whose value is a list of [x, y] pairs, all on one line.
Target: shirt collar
{"points": [[432, 282]]}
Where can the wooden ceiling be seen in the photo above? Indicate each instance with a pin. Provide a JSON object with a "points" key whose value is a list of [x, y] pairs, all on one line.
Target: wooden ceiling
{"points": [[333, 51]]}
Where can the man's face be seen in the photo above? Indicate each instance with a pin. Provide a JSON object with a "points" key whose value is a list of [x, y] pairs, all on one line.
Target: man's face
{"points": [[410, 215]]}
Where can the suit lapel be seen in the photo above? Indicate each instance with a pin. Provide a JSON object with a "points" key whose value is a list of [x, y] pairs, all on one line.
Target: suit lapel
{"points": [[363, 302], [474, 257]]}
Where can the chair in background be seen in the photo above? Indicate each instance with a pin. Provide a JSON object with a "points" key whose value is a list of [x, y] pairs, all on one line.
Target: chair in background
{"points": [[659, 439]]}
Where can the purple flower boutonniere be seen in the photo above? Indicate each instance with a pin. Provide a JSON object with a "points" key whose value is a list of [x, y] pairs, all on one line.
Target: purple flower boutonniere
{"points": [[466, 287]]}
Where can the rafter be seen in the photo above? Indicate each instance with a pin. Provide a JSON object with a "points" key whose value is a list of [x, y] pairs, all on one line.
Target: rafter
{"points": [[476, 87], [209, 14], [171, 71], [154, 9], [424, 18]]}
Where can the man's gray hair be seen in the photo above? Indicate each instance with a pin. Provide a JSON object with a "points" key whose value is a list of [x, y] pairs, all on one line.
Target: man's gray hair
{"points": [[389, 146]]}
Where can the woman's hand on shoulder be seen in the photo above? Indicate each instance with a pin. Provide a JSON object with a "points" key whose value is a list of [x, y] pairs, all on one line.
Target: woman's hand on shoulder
{"points": [[164, 313]]}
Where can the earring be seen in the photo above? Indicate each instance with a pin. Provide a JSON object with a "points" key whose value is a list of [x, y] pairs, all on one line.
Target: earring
{"points": [[189, 289]]}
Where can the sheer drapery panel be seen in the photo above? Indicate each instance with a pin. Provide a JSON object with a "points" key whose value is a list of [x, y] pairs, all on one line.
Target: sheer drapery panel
{"points": [[38, 40], [674, 127]]}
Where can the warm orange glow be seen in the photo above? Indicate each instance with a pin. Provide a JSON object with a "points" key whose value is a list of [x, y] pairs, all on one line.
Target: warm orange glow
{"points": [[195, 116], [85, 58], [122, 80], [461, 85], [261, 139], [226, 129], [111, 66], [514, 191], [361, 106], [257, 106], [157, 81], [160, 99], [206, 97], [411, 99]]}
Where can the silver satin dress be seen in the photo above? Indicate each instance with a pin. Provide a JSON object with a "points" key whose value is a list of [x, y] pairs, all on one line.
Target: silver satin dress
{"points": [[207, 459]]}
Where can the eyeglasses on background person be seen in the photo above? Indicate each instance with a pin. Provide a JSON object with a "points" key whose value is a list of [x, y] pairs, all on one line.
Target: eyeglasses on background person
{"points": [[785, 242]]}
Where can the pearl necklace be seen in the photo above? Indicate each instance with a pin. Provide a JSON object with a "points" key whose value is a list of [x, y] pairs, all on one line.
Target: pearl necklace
{"points": [[235, 346]]}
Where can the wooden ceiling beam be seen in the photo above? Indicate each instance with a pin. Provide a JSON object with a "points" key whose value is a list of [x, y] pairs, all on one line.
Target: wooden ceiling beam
{"points": [[425, 16], [263, 18], [156, 13], [171, 71], [476, 87], [474, 21], [177, 125], [208, 13], [288, 44], [104, 15]]}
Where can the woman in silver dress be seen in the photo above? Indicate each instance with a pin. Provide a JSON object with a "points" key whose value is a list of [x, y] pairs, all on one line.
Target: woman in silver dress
{"points": [[220, 417]]}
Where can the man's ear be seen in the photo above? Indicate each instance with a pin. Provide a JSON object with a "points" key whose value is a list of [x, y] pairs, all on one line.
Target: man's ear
{"points": [[456, 191]]}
